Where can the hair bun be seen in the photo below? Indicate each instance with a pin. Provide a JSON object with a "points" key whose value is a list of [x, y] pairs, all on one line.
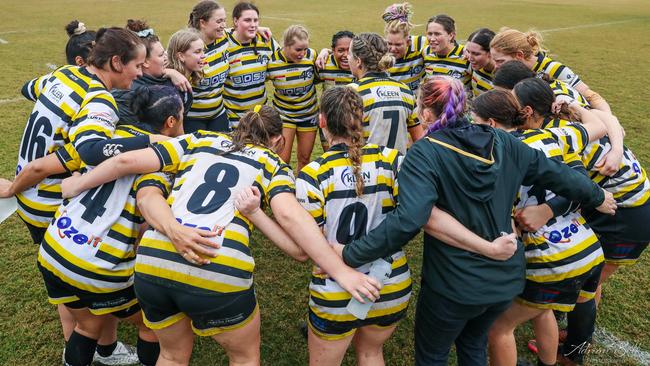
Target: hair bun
{"points": [[75, 28]]}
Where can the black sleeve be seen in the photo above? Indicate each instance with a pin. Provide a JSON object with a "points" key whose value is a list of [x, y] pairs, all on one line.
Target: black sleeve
{"points": [[93, 152], [562, 206], [556, 176], [417, 195]]}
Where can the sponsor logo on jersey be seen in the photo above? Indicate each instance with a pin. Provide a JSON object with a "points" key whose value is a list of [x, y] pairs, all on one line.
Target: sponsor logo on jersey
{"points": [[455, 74], [214, 80], [112, 149], [386, 93], [349, 180], [102, 117], [254, 78], [55, 93], [66, 229]]}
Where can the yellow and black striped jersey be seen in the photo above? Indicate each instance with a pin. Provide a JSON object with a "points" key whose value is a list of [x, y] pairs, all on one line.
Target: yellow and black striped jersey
{"points": [[326, 188], [245, 85], [561, 88], [482, 81], [452, 64], [63, 97], [207, 100], [556, 70], [206, 179], [388, 111], [629, 185], [294, 96], [90, 243], [565, 247], [410, 68], [333, 74]]}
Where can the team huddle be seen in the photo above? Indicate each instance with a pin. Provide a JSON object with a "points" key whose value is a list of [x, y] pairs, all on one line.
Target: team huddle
{"points": [[142, 172]]}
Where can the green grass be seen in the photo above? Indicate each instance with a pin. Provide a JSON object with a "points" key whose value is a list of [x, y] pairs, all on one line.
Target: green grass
{"points": [[612, 59]]}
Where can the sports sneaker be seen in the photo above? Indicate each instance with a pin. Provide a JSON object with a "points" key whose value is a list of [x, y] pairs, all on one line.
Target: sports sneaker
{"points": [[122, 355]]}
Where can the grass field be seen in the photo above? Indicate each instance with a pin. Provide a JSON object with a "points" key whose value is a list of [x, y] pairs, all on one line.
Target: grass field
{"points": [[605, 42]]}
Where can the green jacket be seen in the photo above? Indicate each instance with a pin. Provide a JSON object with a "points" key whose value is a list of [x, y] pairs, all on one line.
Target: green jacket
{"points": [[473, 172]]}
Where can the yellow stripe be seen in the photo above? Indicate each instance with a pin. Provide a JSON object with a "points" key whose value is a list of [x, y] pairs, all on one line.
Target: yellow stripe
{"points": [[553, 306], [163, 323], [570, 274], [104, 311], [465, 153], [187, 279]]}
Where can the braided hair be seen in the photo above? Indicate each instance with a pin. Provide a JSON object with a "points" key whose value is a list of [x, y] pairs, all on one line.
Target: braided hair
{"points": [[372, 50], [445, 97], [342, 108]]}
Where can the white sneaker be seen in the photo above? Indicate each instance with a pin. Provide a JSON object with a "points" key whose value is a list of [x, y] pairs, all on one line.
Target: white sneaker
{"points": [[122, 355]]}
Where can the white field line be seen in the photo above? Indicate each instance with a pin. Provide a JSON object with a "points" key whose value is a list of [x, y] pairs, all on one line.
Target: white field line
{"points": [[581, 26], [620, 347], [11, 32], [12, 100], [284, 19], [3, 41]]}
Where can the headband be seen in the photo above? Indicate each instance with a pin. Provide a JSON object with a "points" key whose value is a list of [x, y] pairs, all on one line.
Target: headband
{"points": [[145, 33]]}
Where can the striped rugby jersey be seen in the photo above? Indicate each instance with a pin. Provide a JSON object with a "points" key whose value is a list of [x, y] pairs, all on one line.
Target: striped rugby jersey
{"points": [[202, 195], [326, 189], [207, 94], [388, 110], [245, 85], [410, 68], [566, 246], [452, 64], [481, 81], [561, 88], [333, 75], [64, 97], [294, 95], [556, 70], [90, 244], [630, 185]]}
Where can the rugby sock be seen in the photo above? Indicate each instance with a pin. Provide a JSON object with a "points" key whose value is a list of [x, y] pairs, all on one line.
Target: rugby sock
{"points": [[148, 352], [581, 325], [79, 350], [106, 350]]}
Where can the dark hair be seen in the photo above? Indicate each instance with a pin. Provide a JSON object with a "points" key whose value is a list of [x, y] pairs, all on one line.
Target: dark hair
{"points": [[138, 25], [482, 37], [202, 11], [501, 106], [80, 42], [343, 110], [257, 128], [339, 35], [111, 42], [372, 50], [537, 94], [510, 73], [445, 21], [244, 5], [154, 104]]}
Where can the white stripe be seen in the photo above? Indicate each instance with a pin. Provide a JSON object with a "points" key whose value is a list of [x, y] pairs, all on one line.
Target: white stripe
{"points": [[11, 32], [3, 41], [581, 26], [620, 347]]}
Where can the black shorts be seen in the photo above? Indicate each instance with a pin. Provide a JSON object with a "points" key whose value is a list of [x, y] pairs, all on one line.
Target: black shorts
{"points": [[561, 295], [121, 304], [164, 304], [37, 233], [623, 236], [335, 330], [216, 124]]}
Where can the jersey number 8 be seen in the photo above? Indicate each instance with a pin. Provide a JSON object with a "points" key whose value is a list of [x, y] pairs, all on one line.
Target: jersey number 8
{"points": [[215, 191]]}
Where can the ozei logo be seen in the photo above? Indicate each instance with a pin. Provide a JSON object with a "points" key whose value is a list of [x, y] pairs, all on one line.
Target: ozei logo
{"points": [[67, 230]]}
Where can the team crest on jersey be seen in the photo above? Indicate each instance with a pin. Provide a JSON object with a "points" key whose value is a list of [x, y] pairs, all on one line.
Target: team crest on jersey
{"points": [[386, 93], [307, 74], [416, 70], [263, 59]]}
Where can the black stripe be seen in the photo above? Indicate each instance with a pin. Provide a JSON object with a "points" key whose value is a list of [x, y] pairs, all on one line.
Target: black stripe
{"points": [[34, 211], [351, 193], [631, 193], [55, 109], [121, 237], [572, 259], [80, 271], [344, 303], [74, 78], [48, 194], [113, 259], [212, 267], [388, 103]]}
